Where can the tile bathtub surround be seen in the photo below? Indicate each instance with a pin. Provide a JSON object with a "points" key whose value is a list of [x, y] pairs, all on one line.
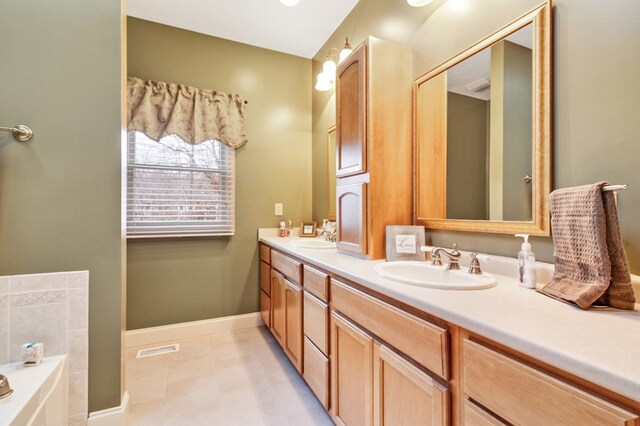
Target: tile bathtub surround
{"points": [[240, 377], [52, 309]]}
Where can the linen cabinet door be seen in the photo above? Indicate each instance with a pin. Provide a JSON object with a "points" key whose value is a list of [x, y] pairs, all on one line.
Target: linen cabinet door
{"points": [[351, 373], [351, 203], [404, 394], [277, 306], [351, 114], [292, 342]]}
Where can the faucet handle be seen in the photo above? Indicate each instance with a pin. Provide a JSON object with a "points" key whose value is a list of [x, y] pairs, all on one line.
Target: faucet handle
{"points": [[474, 268]]}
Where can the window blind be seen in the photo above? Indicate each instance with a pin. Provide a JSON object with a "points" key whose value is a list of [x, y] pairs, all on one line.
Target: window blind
{"points": [[175, 188]]}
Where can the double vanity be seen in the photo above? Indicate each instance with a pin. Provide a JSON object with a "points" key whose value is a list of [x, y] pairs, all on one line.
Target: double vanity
{"points": [[465, 146], [375, 350]]}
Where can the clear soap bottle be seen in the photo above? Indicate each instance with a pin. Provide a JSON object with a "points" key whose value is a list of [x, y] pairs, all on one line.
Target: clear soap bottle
{"points": [[526, 264]]}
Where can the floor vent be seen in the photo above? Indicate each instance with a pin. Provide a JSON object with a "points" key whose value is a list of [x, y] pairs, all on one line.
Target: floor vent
{"points": [[160, 350]]}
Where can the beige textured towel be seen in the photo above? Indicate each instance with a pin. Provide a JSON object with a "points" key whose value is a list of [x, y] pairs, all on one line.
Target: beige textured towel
{"points": [[591, 265]]}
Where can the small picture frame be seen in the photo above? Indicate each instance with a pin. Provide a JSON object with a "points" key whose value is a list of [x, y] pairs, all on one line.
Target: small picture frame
{"points": [[308, 229], [404, 242]]}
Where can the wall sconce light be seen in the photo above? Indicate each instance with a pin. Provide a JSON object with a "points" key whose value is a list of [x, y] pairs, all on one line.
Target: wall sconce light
{"points": [[326, 78], [346, 50], [323, 83], [329, 68], [289, 2]]}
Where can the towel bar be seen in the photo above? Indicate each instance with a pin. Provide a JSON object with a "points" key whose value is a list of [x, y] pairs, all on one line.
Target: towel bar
{"points": [[615, 187], [21, 132]]}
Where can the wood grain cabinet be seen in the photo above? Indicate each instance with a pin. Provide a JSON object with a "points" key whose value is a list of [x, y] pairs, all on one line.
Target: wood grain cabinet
{"points": [[277, 306], [265, 292], [404, 394], [371, 360], [316, 334], [351, 373], [292, 341], [373, 145], [286, 316], [523, 395], [351, 214], [351, 114]]}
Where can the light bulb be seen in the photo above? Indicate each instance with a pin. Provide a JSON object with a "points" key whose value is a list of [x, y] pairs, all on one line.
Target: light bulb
{"points": [[417, 3], [329, 69], [323, 83], [346, 50], [289, 2]]}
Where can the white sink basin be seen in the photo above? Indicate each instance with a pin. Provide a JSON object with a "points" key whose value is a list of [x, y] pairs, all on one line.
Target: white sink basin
{"points": [[313, 244], [426, 275]]}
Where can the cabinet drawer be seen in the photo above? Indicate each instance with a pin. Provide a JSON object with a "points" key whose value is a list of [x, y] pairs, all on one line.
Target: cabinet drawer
{"points": [[476, 416], [426, 343], [317, 283], [526, 396], [316, 372], [265, 277], [287, 266], [316, 322], [265, 253], [265, 308]]}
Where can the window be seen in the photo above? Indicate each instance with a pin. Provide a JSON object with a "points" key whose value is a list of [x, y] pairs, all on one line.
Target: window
{"points": [[175, 188]]}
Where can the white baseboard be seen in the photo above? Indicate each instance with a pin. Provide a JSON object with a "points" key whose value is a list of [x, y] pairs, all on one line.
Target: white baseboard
{"points": [[187, 330], [115, 416]]}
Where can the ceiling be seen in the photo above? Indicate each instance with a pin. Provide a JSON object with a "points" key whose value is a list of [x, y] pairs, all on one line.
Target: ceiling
{"points": [[478, 67], [299, 30]]}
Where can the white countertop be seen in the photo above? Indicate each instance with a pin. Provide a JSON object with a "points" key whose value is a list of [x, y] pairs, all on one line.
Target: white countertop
{"points": [[599, 345]]}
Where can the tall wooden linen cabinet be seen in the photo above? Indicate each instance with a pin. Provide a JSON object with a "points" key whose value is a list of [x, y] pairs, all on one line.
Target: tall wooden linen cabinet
{"points": [[373, 145]]}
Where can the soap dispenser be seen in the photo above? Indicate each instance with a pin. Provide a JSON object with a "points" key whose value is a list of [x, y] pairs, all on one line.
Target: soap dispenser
{"points": [[526, 264]]}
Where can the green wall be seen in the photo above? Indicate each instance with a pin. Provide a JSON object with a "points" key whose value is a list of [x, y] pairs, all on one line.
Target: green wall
{"points": [[60, 192], [176, 280], [467, 130], [517, 133], [595, 91]]}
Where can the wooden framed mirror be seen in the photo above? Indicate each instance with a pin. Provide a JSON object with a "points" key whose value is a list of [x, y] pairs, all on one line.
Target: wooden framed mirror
{"points": [[482, 133], [331, 171]]}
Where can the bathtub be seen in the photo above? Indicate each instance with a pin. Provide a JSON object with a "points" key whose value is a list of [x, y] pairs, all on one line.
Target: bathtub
{"points": [[39, 393]]}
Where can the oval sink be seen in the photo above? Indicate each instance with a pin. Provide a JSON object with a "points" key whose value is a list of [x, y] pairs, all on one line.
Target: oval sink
{"points": [[426, 275], [313, 244]]}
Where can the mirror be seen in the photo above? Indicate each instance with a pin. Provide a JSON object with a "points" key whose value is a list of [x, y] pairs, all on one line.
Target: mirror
{"points": [[331, 171], [482, 134]]}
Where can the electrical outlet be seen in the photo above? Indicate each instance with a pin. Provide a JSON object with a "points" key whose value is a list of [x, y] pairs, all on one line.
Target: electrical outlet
{"points": [[279, 208]]}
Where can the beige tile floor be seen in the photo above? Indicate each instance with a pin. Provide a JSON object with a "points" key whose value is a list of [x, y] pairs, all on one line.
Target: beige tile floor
{"points": [[234, 378]]}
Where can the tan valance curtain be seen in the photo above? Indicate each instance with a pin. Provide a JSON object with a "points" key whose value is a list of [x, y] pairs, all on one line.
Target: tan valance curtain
{"points": [[160, 109]]}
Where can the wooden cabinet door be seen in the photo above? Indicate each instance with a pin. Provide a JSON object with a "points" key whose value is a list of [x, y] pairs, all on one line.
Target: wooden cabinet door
{"points": [[265, 277], [265, 308], [351, 373], [292, 342], [351, 202], [277, 305], [523, 395], [404, 394], [351, 114]]}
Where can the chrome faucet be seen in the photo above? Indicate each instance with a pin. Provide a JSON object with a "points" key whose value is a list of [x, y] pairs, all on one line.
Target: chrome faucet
{"points": [[474, 268], [453, 255]]}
